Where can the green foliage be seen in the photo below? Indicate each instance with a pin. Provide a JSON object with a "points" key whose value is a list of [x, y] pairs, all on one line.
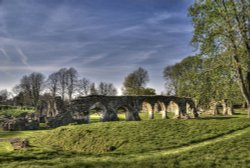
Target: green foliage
{"points": [[15, 111], [221, 31], [140, 91], [194, 77], [147, 91], [135, 82]]}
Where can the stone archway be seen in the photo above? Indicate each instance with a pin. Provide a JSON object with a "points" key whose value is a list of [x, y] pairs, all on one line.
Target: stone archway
{"points": [[160, 107], [174, 108], [97, 111], [126, 111], [148, 108]]}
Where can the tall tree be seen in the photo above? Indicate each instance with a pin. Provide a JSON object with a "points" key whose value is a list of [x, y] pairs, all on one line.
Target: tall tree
{"points": [[171, 80], [135, 82], [102, 89], [93, 90], [111, 90], [37, 81], [31, 87], [71, 77], [52, 83], [25, 86], [222, 29], [84, 87], [3, 96], [107, 89], [62, 74]]}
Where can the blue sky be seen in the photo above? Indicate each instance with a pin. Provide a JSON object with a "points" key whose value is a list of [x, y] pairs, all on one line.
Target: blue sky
{"points": [[103, 39]]}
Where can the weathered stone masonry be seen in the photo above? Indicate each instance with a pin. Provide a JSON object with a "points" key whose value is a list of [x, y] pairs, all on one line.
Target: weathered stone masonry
{"points": [[56, 113], [109, 105]]}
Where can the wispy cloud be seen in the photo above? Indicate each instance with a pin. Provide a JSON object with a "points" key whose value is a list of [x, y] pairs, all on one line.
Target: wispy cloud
{"points": [[23, 57], [5, 54], [104, 41], [159, 17], [44, 69], [127, 29]]}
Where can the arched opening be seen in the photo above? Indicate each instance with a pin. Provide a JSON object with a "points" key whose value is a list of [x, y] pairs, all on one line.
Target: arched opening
{"points": [[78, 115], [160, 110], [146, 111], [123, 113], [97, 112], [173, 109]]}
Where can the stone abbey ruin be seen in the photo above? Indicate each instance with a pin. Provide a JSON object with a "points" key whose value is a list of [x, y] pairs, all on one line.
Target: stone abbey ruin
{"points": [[55, 112], [133, 105]]}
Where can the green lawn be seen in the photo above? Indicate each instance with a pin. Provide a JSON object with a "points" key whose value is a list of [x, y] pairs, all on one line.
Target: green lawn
{"points": [[95, 117], [15, 111], [206, 142]]}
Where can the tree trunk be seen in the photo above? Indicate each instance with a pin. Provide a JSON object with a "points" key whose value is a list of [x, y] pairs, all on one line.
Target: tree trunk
{"points": [[248, 110]]}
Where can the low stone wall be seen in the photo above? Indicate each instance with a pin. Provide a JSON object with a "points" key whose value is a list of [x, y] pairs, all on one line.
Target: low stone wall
{"points": [[24, 121]]}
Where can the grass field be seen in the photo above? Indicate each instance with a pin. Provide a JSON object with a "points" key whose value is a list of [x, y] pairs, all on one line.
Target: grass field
{"points": [[206, 142], [15, 111]]}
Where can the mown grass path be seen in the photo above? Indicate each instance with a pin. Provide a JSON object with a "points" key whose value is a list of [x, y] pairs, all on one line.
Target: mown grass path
{"points": [[174, 151], [192, 146]]}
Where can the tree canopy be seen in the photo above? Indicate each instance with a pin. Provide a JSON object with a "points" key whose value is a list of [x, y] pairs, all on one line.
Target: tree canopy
{"points": [[135, 83], [222, 31], [193, 77]]}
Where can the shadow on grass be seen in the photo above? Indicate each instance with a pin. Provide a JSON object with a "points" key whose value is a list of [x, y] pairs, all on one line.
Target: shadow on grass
{"points": [[217, 118], [36, 154], [8, 134]]}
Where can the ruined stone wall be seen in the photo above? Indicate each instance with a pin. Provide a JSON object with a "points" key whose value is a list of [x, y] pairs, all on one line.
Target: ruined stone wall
{"points": [[79, 110], [134, 104], [225, 105], [25, 121]]}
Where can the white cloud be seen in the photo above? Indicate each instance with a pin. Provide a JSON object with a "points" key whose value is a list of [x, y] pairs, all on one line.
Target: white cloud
{"points": [[12, 68], [159, 17]]}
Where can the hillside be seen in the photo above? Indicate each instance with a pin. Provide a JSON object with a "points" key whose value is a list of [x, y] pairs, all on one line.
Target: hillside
{"points": [[134, 137], [205, 142]]}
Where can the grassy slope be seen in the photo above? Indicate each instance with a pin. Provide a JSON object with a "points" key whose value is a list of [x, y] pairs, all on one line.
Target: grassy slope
{"points": [[131, 137], [138, 139]]}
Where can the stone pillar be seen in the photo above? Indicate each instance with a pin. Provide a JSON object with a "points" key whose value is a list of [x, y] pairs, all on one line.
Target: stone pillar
{"points": [[183, 110], [214, 108], [164, 114], [156, 107], [196, 115], [136, 112], [86, 117], [151, 114], [227, 107], [112, 114], [129, 116], [151, 109], [224, 107], [230, 110], [133, 114]]}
